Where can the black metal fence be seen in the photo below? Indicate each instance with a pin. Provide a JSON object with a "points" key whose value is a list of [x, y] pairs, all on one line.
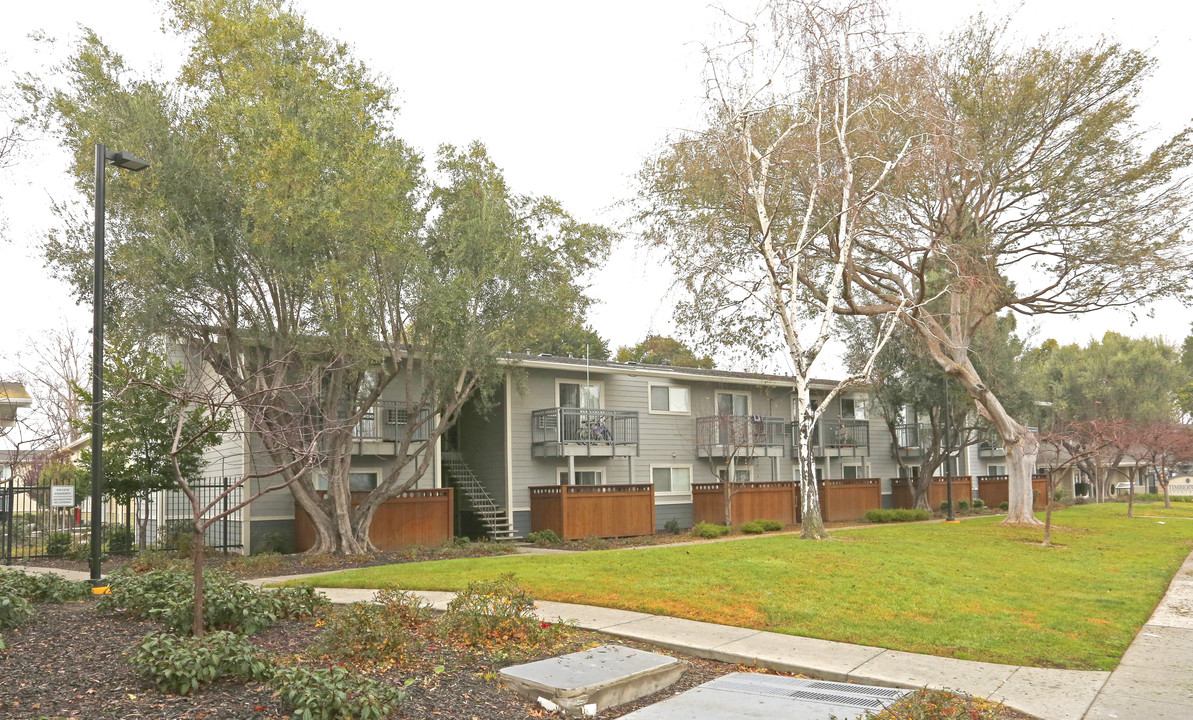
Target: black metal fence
{"points": [[32, 527]]}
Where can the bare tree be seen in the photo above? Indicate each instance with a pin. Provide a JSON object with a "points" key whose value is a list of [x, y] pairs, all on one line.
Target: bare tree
{"points": [[727, 437], [53, 366], [237, 413], [798, 148]]}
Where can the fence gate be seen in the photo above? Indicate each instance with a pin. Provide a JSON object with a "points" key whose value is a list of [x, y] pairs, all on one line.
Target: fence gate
{"points": [[38, 521]]}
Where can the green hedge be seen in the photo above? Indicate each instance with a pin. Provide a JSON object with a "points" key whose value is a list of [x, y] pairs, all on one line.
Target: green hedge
{"points": [[889, 516]]}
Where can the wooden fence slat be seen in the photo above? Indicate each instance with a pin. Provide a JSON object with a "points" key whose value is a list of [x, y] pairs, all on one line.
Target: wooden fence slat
{"points": [[574, 512], [416, 517], [751, 501]]}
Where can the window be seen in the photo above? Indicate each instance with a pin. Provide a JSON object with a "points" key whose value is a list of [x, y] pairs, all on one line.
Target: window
{"points": [[853, 409], [358, 481], [740, 475], [733, 404], [579, 395], [996, 469], [851, 472], [909, 471], [669, 399], [583, 477], [671, 479]]}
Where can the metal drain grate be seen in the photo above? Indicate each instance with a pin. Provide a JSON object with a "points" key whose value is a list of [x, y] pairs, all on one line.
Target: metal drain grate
{"points": [[889, 693], [866, 697]]}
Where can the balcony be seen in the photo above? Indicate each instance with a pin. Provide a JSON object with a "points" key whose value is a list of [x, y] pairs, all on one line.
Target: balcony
{"points": [[990, 445], [383, 426], [913, 440], [589, 432], [740, 436], [838, 438]]}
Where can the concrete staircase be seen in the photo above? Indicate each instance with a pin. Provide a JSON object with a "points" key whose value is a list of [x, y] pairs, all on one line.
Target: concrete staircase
{"points": [[478, 499]]}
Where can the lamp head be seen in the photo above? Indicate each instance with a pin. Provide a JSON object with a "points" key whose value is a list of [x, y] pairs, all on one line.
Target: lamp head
{"points": [[128, 161]]}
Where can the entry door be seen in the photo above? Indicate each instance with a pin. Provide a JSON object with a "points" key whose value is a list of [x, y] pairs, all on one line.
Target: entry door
{"points": [[729, 407], [576, 395]]}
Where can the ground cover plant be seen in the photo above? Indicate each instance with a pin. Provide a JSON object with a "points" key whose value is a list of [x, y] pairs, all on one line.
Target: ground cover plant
{"points": [[978, 590]]}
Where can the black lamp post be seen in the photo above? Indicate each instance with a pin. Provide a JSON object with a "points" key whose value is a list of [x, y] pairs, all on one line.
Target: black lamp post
{"points": [[127, 161]]}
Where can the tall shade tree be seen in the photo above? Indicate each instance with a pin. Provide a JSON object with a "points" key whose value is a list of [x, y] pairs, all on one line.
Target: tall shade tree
{"points": [[298, 248], [802, 134], [1033, 193]]}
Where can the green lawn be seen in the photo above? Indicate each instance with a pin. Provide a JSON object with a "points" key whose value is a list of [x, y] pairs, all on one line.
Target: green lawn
{"points": [[976, 590]]}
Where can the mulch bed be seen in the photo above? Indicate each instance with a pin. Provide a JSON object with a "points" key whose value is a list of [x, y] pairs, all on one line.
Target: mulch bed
{"points": [[71, 662]]}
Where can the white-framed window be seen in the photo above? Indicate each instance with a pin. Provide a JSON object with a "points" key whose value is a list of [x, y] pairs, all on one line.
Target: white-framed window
{"points": [[853, 408], [671, 479], [996, 469], [741, 473], [358, 480], [852, 471], [909, 471], [582, 476], [731, 403], [578, 394], [670, 399]]}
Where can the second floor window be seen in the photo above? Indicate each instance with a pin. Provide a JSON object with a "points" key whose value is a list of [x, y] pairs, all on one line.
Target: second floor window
{"points": [[665, 398], [579, 395]]}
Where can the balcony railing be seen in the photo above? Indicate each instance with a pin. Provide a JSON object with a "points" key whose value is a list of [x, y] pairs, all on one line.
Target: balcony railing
{"points": [[584, 426], [726, 434], [387, 421], [840, 437], [913, 437]]}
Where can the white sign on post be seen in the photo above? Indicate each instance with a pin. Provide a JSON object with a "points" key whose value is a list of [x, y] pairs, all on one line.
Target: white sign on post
{"points": [[62, 496]]}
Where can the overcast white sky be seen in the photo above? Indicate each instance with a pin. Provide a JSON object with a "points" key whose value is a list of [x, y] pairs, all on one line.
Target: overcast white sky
{"points": [[569, 97]]}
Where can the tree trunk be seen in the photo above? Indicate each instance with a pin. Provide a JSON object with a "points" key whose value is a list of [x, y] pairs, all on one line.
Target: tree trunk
{"points": [[142, 522], [197, 560], [1131, 494], [1167, 499], [812, 523]]}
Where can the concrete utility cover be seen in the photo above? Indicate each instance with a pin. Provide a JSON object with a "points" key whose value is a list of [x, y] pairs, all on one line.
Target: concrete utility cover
{"points": [[605, 676], [754, 696]]}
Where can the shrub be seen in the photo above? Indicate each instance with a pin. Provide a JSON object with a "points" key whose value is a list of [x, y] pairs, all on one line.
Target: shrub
{"points": [[155, 560], [168, 597], [1035, 497], [944, 506], [14, 610], [979, 504], [770, 525], [1004, 505], [752, 528], [79, 552], [898, 515], [119, 539], [43, 588], [335, 692], [544, 537], [303, 601], [939, 705], [1058, 495], [176, 536], [1081, 487], [709, 530], [366, 632], [489, 610], [58, 543], [251, 564], [276, 543], [963, 506], [671, 526], [182, 665]]}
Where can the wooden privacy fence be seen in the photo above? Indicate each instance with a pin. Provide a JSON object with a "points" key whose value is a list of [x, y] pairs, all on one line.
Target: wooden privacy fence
{"points": [[992, 489], [902, 495], [579, 511], [751, 501], [849, 500], [416, 517]]}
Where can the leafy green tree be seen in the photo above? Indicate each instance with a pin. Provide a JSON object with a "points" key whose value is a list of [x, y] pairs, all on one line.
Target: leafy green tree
{"points": [[571, 340], [140, 418], [662, 350], [1033, 192], [299, 249]]}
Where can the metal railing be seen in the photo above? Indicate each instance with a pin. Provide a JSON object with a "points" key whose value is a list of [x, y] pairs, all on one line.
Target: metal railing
{"points": [[740, 431], [387, 421], [584, 426], [912, 436], [841, 435]]}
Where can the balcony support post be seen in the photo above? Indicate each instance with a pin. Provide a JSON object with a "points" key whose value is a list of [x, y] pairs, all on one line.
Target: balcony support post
{"points": [[631, 459], [571, 469]]}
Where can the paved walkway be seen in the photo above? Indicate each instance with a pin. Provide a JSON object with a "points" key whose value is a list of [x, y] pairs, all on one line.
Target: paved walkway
{"points": [[1154, 681]]}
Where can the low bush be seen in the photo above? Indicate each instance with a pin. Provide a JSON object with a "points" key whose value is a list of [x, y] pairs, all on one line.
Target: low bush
{"points": [[1004, 505], [276, 543], [119, 539], [979, 504], [770, 525], [168, 597], [293, 603], [671, 526], [155, 560], [404, 606], [944, 507], [544, 537], [938, 705], [709, 530], [14, 610], [182, 665], [897, 515], [364, 632], [488, 610], [253, 564], [58, 543], [43, 588], [752, 528], [335, 692], [79, 552], [963, 506]]}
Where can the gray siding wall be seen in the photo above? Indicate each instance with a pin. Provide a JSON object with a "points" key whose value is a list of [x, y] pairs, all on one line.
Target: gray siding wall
{"points": [[665, 440], [679, 512]]}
